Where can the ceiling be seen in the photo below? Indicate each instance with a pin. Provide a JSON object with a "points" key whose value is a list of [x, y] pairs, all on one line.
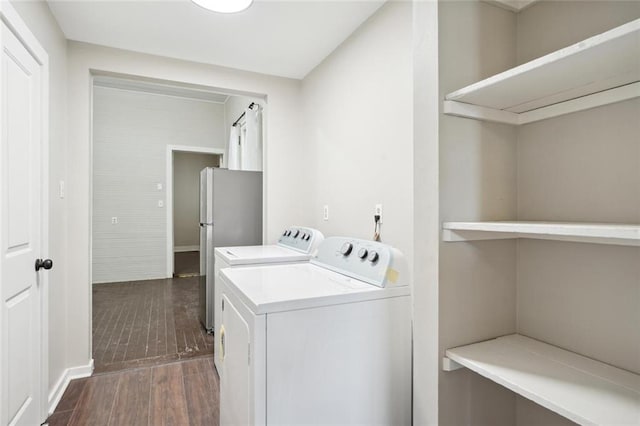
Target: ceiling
{"points": [[283, 38]]}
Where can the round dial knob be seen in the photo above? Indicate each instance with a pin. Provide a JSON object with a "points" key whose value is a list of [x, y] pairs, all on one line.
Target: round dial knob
{"points": [[296, 233], [346, 249], [362, 253], [284, 234], [308, 237], [373, 257], [304, 236]]}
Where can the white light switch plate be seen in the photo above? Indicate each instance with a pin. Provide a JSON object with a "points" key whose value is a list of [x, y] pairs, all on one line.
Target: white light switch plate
{"points": [[325, 212]]}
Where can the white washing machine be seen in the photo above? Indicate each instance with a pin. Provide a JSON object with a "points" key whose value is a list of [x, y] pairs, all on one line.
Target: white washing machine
{"points": [[325, 342], [295, 245]]}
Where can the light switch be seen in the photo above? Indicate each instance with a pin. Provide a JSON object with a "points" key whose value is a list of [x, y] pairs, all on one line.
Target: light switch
{"points": [[159, 186], [61, 188]]}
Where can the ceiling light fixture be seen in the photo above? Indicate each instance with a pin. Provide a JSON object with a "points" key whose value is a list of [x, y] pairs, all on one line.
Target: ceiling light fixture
{"points": [[224, 6]]}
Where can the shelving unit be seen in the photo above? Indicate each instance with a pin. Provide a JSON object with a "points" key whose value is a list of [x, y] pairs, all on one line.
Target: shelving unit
{"points": [[600, 70], [585, 391], [600, 233], [581, 298]]}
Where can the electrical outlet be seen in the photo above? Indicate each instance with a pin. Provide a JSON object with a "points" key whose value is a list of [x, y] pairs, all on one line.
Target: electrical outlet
{"points": [[114, 220], [378, 211], [159, 186], [160, 203], [325, 212]]}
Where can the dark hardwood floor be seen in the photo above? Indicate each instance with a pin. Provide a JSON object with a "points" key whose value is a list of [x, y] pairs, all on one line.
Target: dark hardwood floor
{"points": [[186, 264], [179, 393], [145, 323]]}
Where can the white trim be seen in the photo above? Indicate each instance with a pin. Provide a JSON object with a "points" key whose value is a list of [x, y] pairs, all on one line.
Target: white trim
{"points": [[182, 249], [169, 185], [19, 28], [61, 385]]}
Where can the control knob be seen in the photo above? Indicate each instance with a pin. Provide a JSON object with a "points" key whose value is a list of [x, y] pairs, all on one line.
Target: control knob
{"points": [[373, 257], [362, 253], [346, 249], [295, 234]]}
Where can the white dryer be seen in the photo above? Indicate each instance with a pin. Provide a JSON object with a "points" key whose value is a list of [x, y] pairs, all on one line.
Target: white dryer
{"points": [[324, 342], [295, 245]]}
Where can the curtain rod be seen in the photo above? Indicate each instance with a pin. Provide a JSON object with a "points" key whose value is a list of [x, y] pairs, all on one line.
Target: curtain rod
{"points": [[235, 123]]}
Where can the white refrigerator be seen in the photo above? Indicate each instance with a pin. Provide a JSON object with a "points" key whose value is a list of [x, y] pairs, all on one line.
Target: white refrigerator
{"points": [[230, 215]]}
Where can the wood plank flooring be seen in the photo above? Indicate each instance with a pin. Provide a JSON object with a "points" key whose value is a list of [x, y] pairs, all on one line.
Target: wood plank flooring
{"points": [[186, 264], [180, 393], [144, 323]]}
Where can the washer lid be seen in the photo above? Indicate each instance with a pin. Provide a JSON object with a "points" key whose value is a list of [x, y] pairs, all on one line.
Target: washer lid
{"points": [[248, 255], [278, 288]]}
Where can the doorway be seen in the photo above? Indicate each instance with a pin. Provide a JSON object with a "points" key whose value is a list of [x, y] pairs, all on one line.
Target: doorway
{"points": [[186, 210], [150, 141]]}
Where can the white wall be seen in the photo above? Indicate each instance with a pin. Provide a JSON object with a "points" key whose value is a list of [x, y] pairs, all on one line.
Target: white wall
{"points": [[477, 288], [131, 132], [358, 119], [42, 23], [426, 107], [282, 142], [186, 197]]}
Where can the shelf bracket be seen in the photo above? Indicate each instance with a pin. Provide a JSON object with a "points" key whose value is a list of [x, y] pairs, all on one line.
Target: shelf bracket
{"points": [[450, 365], [477, 112], [454, 236]]}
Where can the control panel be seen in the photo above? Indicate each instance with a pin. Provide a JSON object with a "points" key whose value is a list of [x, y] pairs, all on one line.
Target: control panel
{"points": [[370, 261], [301, 239]]}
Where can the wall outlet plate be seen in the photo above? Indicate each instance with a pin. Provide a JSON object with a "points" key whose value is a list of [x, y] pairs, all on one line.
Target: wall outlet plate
{"points": [[378, 211], [325, 212]]}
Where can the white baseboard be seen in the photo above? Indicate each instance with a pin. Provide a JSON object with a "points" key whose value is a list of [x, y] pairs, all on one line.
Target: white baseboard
{"points": [[61, 385], [181, 249]]}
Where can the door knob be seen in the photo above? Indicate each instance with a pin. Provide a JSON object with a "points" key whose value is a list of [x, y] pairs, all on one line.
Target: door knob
{"points": [[46, 264]]}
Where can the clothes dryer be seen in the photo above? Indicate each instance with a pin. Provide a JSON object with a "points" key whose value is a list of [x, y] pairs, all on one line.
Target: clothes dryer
{"points": [[323, 342]]}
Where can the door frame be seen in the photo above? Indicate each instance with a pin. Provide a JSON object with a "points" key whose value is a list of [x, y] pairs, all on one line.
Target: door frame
{"points": [[19, 28], [171, 149]]}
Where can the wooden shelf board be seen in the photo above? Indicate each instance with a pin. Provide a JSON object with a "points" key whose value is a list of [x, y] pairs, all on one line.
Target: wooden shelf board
{"points": [[600, 233], [572, 79], [583, 390]]}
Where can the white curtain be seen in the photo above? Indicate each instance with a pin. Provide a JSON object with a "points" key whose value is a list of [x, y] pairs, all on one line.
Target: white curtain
{"points": [[251, 155], [233, 151]]}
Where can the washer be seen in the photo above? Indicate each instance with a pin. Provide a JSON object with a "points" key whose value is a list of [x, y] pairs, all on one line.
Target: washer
{"points": [[295, 245], [324, 342]]}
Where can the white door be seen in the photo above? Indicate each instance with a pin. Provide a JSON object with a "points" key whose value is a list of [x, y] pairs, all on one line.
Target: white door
{"points": [[21, 233]]}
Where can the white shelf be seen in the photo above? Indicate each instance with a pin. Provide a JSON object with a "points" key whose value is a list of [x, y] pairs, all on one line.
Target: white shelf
{"points": [[583, 390], [600, 233], [597, 71]]}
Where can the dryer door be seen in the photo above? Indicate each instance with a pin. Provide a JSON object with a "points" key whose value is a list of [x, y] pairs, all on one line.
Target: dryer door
{"points": [[234, 356]]}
